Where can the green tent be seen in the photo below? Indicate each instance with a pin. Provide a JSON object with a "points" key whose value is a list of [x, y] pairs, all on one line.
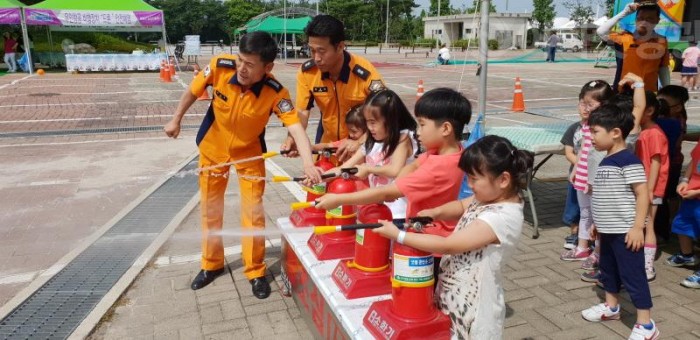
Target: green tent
{"points": [[91, 5], [10, 4], [275, 25]]}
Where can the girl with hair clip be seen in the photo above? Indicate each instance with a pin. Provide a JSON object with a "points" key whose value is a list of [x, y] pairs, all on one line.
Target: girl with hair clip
{"points": [[470, 288], [391, 144], [355, 122]]}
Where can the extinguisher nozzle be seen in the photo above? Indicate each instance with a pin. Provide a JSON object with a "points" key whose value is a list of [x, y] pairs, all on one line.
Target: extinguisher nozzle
{"points": [[278, 179], [325, 229], [269, 154], [302, 205]]}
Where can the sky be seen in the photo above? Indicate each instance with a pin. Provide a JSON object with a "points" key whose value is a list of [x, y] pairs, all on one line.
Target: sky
{"points": [[513, 6]]}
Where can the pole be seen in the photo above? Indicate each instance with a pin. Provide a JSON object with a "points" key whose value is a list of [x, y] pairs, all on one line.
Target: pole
{"points": [[386, 38], [483, 57], [317, 1], [284, 40], [27, 43], [437, 41]]}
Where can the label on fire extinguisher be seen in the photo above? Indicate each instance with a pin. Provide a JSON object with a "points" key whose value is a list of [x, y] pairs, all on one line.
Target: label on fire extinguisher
{"points": [[360, 237], [320, 187], [413, 269]]}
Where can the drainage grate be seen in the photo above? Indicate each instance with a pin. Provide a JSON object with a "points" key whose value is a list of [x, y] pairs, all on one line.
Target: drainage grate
{"points": [[52, 133], [60, 305]]}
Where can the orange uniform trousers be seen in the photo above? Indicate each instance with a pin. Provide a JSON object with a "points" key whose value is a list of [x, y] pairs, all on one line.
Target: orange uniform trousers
{"points": [[212, 185]]}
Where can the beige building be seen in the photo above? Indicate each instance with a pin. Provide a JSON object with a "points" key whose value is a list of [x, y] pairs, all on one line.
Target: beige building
{"points": [[509, 29]]}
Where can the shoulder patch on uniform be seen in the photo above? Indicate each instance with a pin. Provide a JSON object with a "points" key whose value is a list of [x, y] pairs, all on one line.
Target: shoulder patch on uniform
{"points": [[309, 64], [226, 62], [285, 105], [361, 72], [274, 84], [376, 85]]}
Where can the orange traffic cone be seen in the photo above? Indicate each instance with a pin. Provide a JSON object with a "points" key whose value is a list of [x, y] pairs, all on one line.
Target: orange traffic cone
{"points": [[420, 89], [166, 74], [162, 70], [172, 71], [518, 98], [205, 94]]}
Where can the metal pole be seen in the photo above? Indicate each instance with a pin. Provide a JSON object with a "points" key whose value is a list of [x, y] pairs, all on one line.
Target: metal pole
{"points": [[317, 1], [386, 38], [437, 41], [27, 43], [483, 57], [284, 48]]}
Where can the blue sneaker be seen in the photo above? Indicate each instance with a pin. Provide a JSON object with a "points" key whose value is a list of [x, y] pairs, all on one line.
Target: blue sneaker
{"points": [[692, 281], [679, 260], [571, 241]]}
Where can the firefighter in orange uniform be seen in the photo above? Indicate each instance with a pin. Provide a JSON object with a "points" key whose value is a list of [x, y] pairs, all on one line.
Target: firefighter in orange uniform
{"points": [[245, 95], [335, 81]]}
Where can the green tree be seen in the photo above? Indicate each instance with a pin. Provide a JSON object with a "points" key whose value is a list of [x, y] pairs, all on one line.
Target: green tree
{"points": [[579, 11], [241, 11], [445, 8], [476, 6], [543, 14]]}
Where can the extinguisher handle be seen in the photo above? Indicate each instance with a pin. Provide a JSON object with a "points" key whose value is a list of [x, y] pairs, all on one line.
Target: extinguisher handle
{"points": [[329, 175], [324, 151], [347, 172], [419, 223]]}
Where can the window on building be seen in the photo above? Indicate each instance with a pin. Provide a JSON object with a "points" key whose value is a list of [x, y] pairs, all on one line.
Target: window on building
{"points": [[468, 30]]}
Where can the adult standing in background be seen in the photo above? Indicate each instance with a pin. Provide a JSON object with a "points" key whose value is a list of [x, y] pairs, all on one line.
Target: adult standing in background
{"points": [[552, 46], [10, 47]]}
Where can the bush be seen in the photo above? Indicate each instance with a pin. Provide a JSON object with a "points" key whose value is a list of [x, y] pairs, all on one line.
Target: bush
{"points": [[102, 42], [463, 43], [426, 42], [493, 44]]}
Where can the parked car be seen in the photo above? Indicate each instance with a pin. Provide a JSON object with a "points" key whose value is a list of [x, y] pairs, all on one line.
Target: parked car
{"points": [[569, 42]]}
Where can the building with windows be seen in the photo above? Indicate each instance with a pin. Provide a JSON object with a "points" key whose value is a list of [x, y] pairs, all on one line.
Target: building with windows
{"points": [[509, 29]]}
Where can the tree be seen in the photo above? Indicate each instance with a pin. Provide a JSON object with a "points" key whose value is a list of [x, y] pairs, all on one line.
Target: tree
{"points": [[445, 8], [579, 12], [476, 6], [543, 14], [241, 11]]}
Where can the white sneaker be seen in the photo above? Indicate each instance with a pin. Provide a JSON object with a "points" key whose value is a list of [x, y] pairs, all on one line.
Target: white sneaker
{"points": [[600, 312], [641, 333]]}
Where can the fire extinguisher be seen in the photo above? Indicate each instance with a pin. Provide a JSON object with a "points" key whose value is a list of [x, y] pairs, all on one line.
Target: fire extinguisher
{"points": [[412, 283], [371, 249], [344, 214]]}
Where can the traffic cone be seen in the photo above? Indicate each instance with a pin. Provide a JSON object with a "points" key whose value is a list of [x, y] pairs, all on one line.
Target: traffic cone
{"points": [[518, 98], [162, 70], [420, 89], [205, 94], [166, 74], [172, 70]]}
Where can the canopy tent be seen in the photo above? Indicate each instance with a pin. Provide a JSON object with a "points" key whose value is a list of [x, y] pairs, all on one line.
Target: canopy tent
{"points": [[123, 15], [276, 25], [10, 12]]}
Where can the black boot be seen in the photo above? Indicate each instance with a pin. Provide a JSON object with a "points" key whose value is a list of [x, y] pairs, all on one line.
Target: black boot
{"points": [[261, 288], [205, 277]]}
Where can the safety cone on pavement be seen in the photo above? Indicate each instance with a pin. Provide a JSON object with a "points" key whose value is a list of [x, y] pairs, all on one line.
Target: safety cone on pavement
{"points": [[420, 89], [205, 94], [518, 98], [166, 74], [172, 70], [162, 70]]}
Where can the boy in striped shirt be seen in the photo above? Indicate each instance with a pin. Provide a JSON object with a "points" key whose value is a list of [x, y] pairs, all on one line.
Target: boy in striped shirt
{"points": [[620, 204]]}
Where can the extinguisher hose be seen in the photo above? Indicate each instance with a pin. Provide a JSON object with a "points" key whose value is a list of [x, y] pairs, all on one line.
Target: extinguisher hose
{"points": [[319, 230]]}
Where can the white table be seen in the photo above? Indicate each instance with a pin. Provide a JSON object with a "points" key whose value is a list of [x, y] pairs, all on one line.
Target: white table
{"points": [[348, 313], [114, 62]]}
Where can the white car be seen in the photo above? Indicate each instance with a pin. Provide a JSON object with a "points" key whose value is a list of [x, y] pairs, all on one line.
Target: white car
{"points": [[569, 42]]}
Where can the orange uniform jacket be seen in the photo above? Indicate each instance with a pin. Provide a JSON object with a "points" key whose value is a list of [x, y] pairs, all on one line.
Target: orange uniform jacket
{"points": [[358, 78], [642, 58], [235, 123]]}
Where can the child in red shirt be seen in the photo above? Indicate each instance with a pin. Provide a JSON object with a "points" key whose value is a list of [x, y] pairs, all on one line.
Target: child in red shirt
{"points": [[687, 222], [652, 150], [434, 178]]}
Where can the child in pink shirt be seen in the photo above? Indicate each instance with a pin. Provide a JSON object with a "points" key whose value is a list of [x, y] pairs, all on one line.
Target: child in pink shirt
{"points": [[652, 150], [689, 71]]}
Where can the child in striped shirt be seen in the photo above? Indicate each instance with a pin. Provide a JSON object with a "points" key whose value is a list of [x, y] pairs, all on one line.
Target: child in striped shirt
{"points": [[620, 203]]}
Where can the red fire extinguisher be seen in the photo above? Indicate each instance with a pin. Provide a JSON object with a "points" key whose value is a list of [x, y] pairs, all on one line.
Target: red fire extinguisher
{"points": [[311, 215], [344, 214], [412, 283], [371, 249]]}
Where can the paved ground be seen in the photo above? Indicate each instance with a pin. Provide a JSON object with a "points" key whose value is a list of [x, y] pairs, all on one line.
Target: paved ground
{"points": [[66, 180]]}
